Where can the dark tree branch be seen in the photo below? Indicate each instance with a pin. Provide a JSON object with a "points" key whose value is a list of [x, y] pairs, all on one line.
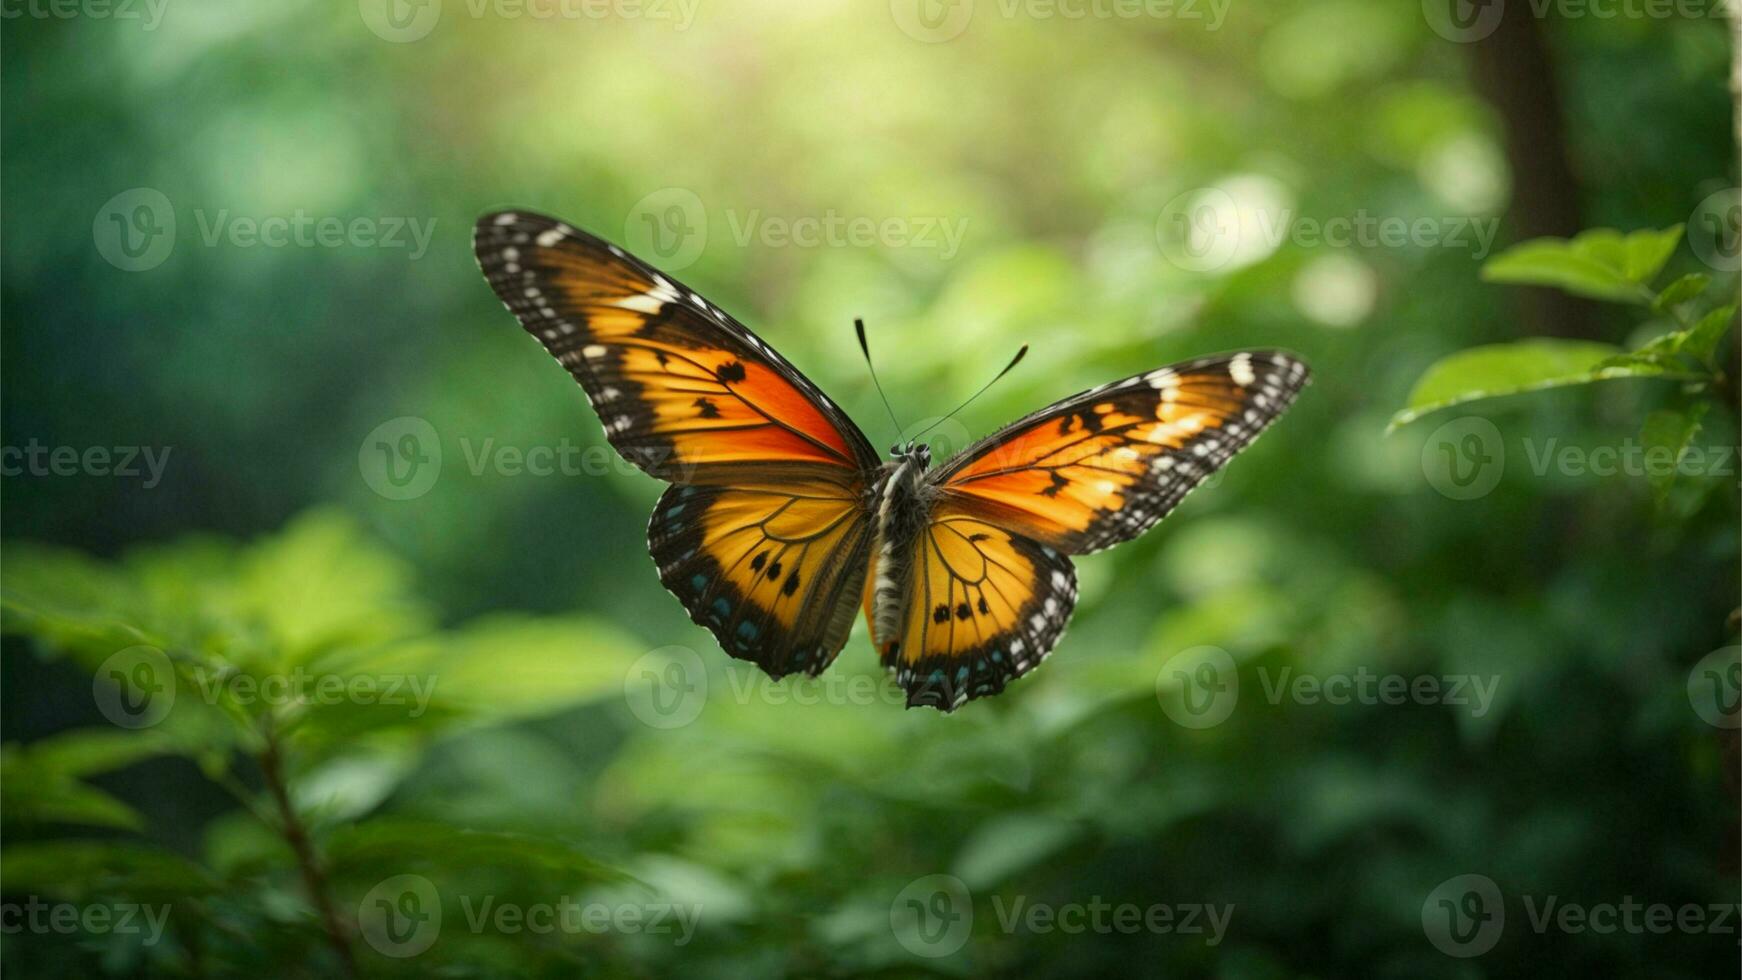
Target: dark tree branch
{"points": [[1513, 70], [313, 879]]}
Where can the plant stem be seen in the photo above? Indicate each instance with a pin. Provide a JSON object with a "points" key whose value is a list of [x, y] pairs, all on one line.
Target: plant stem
{"points": [[313, 879]]}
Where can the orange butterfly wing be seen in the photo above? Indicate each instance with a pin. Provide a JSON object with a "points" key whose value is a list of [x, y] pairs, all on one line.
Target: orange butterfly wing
{"points": [[764, 537], [993, 589]]}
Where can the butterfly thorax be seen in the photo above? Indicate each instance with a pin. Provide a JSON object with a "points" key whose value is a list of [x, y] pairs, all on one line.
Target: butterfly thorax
{"points": [[902, 499]]}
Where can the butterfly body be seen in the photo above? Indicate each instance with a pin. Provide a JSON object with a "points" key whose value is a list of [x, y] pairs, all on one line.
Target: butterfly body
{"points": [[781, 523], [903, 506]]}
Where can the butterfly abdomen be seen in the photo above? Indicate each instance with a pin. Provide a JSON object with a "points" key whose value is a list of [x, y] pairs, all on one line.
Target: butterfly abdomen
{"points": [[901, 512]]}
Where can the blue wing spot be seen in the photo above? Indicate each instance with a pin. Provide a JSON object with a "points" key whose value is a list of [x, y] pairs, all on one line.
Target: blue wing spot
{"points": [[699, 582], [722, 608], [997, 656], [671, 514], [962, 673]]}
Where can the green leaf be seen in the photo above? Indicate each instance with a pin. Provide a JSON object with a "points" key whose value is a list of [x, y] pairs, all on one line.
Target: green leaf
{"points": [[497, 668], [1702, 339], [397, 843], [79, 869], [1686, 288], [1527, 365], [1600, 264], [1647, 251], [1671, 430], [41, 780]]}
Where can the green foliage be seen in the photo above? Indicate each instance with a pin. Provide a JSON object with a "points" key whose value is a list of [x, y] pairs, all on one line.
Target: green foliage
{"points": [[308, 646], [1600, 264]]}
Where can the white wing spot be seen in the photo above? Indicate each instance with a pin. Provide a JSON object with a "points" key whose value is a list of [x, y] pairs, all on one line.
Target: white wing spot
{"points": [[1240, 369]]}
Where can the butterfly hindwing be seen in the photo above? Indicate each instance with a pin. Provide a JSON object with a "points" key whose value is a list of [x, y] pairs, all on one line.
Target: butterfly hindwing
{"points": [[684, 391], [774, 572], [1104, 466], [986, 606]]}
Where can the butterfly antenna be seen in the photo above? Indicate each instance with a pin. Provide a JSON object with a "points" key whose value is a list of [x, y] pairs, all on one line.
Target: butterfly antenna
{"points": [[1013, 362], [865, 348]]}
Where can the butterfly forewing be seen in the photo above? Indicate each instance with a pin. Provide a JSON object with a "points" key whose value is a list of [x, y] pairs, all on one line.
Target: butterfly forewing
{"points": [[684, 391], [1105, 465]]}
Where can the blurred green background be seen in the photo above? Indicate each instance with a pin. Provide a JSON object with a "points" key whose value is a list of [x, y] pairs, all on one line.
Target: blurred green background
{"points": [[558, 732]]}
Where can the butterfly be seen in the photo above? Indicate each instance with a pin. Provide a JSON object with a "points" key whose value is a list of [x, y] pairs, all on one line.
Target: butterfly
{"points": [[781, 522]]}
